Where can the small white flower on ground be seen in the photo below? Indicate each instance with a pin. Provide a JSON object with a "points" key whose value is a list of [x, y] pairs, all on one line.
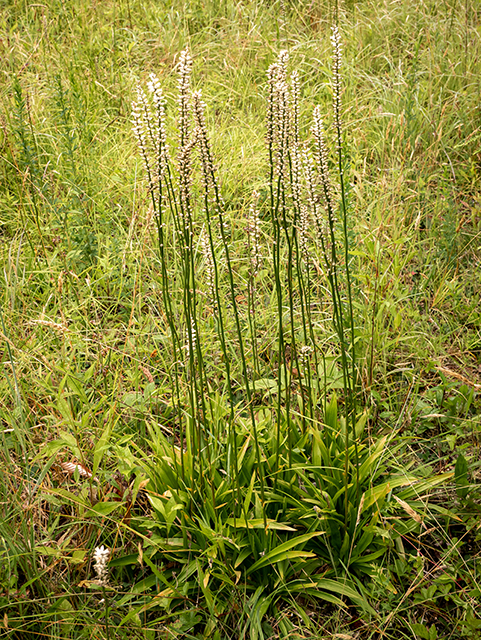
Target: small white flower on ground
{"points": [[101, 557]]}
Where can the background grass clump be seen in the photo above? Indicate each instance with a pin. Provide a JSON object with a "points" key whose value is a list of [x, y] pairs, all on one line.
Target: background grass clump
{"points": [[267, 410]]}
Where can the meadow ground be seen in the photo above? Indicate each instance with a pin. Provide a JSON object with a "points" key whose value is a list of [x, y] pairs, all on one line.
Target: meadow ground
{"points": [[242, 352]]}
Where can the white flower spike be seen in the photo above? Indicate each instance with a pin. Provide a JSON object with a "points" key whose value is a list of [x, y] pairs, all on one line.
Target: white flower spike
{"points": [[101, 557]]}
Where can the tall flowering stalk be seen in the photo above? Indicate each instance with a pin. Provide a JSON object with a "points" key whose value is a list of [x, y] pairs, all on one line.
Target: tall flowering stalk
{"points": [[159, 136], [183, 99], [277, 141], [327, 233], [187, 144], [213, 199], [294, 178], [253, 236], [329, 248], [150, 131], [212, 203], [297, 242], [351, 387], [304, 275], [313, 205], [253, 245], [209, 268], [297, 186], [336, 72], [141, 117]]}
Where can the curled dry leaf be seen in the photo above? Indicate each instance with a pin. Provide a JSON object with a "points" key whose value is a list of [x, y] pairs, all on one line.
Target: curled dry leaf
{"points": [[147, 374], [458, 376], [409, 510], [70, 467]]}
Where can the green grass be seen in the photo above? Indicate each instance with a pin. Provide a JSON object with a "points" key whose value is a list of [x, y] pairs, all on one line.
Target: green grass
{"points": [[306, 511]]}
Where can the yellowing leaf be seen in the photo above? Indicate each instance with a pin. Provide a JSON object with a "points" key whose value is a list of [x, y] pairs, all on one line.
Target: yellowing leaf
{"points": [[258, 523]]}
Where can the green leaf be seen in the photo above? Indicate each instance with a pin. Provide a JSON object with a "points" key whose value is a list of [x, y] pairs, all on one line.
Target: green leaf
{"points": [[369, 464], [419, 488], [100, 447], [242, 452], [264, 384], [64, 408], [144, 585], [132, 398], [308, 589], [331, 413], [78, 556], [49, 449], [421, 630], [106, 508], [376, 495], [248, 497], [75, 386], [316, 448], [48, 551], [461, 476], [70, 441], [318, 587], [245, 553], [343, 589], [282, 552], [124, 561], [71, 497]]}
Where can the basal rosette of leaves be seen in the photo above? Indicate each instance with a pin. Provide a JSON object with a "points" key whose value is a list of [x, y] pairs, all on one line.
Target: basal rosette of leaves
{"points": [[211, 539]]}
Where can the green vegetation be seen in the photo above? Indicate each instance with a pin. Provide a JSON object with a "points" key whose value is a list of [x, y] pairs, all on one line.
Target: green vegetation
{"points": [[240, 319]]}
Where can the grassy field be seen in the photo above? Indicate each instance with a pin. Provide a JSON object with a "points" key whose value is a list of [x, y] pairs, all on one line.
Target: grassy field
{"points": [[240, 340]]}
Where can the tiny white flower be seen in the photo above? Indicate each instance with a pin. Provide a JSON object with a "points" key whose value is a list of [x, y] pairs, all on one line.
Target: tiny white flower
{"points": [[101, 557]]}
